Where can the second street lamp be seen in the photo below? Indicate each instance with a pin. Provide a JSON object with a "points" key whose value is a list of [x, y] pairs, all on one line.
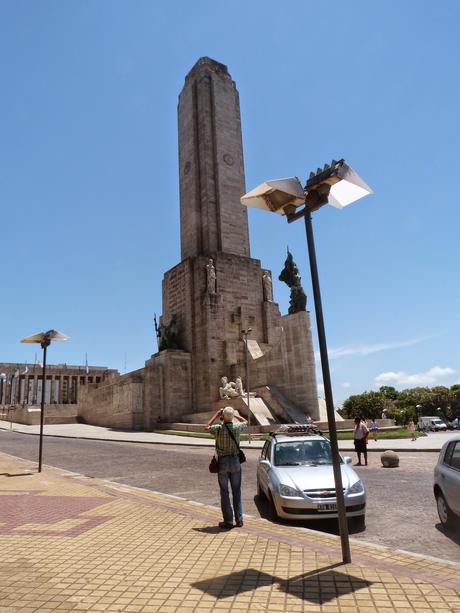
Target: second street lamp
{"points": [[245, 334], [339, 185], [44, 339]]}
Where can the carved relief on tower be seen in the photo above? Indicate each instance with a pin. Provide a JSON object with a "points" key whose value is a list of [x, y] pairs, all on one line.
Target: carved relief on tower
{"points": [[267, 285], [211, 277]]}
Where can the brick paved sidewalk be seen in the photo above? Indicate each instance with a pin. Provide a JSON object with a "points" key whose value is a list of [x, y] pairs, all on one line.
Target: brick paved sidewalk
{"points": [[70, 543]]}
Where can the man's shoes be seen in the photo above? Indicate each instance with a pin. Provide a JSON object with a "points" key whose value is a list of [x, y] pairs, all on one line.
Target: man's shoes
{"points": [[239, 524], [225, 525], [358, 464]]}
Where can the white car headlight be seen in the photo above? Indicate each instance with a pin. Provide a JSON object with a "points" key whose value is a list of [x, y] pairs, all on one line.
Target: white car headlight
{"points": [[287, 490], [356, 488]]}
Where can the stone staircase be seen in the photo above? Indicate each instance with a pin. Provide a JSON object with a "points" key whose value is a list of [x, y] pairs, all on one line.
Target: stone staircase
{"points": [[280, 406], [260, 411]]}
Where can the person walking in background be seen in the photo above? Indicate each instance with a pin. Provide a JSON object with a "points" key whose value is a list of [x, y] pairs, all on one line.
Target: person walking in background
{"points": [[227, 435], [374, 428], [360, 434], [411, 428]]}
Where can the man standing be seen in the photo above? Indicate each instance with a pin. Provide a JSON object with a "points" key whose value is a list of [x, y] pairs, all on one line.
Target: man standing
{"points": [[227, 435]]}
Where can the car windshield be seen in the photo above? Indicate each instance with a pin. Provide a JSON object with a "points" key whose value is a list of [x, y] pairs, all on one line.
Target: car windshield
{"points": [[297, 453]]}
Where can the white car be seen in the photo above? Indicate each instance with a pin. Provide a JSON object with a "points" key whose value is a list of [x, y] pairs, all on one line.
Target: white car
{"points": [[295, 474], [447, 483]]}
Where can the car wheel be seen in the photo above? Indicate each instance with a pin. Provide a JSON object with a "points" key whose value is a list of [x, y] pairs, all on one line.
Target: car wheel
{"points": [[359, 522], [271, 509], [447, 518], [260, 492]]}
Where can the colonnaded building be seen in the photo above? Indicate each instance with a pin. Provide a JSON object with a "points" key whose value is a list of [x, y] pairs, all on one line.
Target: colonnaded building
{"points": [[21, 386], [215, 292]]}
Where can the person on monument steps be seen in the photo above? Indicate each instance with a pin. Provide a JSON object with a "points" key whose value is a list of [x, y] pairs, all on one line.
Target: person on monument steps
{"points": [[229, 456]]}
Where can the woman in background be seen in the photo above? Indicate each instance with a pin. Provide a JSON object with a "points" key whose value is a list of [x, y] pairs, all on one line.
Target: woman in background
{"points": [[360, 435]]}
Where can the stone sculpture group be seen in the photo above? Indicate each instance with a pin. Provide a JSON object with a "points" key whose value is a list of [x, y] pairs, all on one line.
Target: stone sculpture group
{"points": [[230, 389]]}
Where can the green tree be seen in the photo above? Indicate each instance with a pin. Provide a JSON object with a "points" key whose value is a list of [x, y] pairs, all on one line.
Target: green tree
{"points": [[369, 405], [389, 392], [455, 400]]}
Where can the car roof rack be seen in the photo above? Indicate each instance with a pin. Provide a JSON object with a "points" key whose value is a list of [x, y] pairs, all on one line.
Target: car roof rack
{"points": [[296, 430]]}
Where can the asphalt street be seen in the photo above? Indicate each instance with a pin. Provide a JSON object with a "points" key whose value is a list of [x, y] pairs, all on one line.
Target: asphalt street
{"points": [[401, 509]]}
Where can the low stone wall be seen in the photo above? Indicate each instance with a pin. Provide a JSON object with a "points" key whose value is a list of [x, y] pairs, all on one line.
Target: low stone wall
{"points": [[349, 424], [181, 427], [117, 403], [29, 415], [346, 424]]}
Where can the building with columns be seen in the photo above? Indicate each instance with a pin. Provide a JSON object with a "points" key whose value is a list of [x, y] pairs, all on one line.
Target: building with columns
{"points": [[21, 384]]}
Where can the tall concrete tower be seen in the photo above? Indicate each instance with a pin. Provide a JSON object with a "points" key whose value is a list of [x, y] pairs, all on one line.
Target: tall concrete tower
{"points": [[217, 289], [211, 164]]}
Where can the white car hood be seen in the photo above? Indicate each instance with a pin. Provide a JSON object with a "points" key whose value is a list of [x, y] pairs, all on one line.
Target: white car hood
{"points": [[315, 477]]}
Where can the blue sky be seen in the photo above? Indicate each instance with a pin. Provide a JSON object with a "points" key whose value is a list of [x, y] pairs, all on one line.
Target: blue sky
{"points": [[88, 170]]}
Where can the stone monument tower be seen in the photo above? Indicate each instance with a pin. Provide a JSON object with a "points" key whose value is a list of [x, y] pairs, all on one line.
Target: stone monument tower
{"points": [[218, 289]]}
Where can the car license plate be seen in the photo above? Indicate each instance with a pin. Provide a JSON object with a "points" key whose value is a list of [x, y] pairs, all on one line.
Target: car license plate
{"points": [[327, 507]]}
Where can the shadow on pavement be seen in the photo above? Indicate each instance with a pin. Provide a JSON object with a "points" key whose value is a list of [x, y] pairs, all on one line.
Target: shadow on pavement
{"points": [[210, 530], [330, 526], [453, 535], [317, 586]]}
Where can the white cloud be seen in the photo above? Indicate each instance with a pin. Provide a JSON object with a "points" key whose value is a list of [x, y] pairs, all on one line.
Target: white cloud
{"points": [[346, 384], [429, 377], [366, 349]]}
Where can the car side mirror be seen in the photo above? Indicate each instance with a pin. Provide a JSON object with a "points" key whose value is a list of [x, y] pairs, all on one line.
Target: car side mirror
{"points": [[264, 462], [347, 459]]}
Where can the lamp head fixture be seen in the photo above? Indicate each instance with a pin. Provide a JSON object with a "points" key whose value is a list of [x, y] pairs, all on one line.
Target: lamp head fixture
{"points": [[45, 338], [337, 184]]}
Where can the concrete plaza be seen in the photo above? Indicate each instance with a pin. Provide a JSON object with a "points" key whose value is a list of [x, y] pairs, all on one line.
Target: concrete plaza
{"points": [[71, 543]]}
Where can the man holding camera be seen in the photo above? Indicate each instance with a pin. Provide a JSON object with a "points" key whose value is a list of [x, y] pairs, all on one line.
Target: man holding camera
{"points": [[227, 435]]}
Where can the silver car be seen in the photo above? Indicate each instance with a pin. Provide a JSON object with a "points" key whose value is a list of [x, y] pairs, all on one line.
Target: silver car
{"points": [[295, 474], [447, 483]]}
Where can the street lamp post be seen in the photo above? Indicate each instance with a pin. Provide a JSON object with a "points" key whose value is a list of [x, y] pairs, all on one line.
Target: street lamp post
{"points": [[245, 334], [44, 339], [339, 185]]}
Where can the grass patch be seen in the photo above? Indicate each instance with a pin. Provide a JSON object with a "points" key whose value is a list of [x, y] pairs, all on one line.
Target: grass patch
{"points": [[179, 433], [394, 433], [381, 434], [243, 437]]}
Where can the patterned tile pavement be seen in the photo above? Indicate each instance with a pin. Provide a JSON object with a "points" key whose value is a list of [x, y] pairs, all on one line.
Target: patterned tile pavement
{"points": [[70, 543]]}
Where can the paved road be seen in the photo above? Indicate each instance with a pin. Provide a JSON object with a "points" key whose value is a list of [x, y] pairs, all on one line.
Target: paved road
{"points": [[401, 509]]}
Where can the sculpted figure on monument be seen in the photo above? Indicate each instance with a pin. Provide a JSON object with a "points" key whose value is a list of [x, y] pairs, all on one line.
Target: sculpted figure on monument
{"points": [[228, 389], [268, 286], [239, 386], [168, 335], [211, 277], [290, 275]]}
